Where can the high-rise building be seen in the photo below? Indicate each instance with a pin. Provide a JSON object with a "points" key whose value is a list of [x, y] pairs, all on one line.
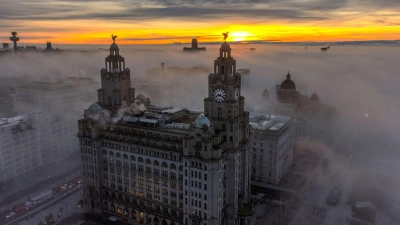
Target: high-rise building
{"points": [[272, 146], [168, 165], [19, 147], [56, 96], [38, 139]]}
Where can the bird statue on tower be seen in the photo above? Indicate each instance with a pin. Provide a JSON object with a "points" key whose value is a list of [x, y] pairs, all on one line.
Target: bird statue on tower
{"points": [[113, 37], [225, 36]]}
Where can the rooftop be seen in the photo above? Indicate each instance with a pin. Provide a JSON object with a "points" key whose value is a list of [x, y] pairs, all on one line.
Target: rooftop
{"points": [[163, 117], [268, 122]]}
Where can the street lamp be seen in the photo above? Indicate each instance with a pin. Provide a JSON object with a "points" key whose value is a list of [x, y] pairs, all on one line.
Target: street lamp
{"points": [[66, 210]]}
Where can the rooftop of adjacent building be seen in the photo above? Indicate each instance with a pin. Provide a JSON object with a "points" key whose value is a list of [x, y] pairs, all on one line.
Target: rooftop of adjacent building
{"points": [[15, 124], [268, 122]]}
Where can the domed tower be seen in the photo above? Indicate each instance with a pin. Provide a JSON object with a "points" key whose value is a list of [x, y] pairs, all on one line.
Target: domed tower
{"points": [[265, 95], [286, 93], [115, 81], [314, 97]]}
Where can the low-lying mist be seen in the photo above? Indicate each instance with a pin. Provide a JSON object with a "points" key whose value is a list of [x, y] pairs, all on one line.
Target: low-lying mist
{"points": [[360, 82]]}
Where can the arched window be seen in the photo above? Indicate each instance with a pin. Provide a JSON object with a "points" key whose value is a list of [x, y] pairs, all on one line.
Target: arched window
{"points": [[133, 158], [156, 163], [148, 161], [164, 164], [173, 166], [125, 156], [104, 152], [180, 168], [140, 159], [111, 153], [219, 113], [118, 155]]}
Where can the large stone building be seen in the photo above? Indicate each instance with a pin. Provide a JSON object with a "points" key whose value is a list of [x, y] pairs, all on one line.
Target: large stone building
{"points": [[57, 96], [19, 147], [272, 146], [44, 133], [37, 139], [311, 117], [168, 165]]}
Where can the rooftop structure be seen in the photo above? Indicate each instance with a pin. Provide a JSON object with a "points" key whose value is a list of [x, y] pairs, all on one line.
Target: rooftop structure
{"points": [[194, 46]]}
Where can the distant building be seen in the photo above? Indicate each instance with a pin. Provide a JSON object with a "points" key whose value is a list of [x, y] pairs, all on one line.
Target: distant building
{"points": [[31, 48], [245, 78], [6, 46], [286, 94], [14, 39], [305, 111], [19, 147], [271, 143], [57, 96], [165, 165], [32, 141], [48, 48], [52, 109], [194, 46]]}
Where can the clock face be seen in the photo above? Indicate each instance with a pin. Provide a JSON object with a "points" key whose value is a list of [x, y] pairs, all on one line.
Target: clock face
{"points": [[237, 94], [219, 95]]}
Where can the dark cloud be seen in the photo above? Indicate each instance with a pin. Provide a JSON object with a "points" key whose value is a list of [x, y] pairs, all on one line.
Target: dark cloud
{"points": [[155, 9]]}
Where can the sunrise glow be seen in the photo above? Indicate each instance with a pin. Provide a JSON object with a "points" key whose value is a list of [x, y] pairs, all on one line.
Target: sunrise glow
{"points": [[149, 23]]}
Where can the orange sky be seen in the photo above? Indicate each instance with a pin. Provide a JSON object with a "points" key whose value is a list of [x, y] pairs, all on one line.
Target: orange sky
{"points": [[156, 23]]}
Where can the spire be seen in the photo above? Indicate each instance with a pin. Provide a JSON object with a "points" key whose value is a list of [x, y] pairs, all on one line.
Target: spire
{"points": [[288, 76]]}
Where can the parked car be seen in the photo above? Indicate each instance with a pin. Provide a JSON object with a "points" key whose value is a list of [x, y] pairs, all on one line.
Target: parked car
{"points": [[112, 218]]}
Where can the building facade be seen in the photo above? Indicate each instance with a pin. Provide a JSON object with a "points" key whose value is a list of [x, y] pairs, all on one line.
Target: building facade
{"points": [[272, 146], [19, 147], [59, 96], [38, 139], [168, 166]]}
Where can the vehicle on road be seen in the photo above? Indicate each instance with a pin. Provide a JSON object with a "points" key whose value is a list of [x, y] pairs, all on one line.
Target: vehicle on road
{"points": [[11, 214], [333, 197], [38, 199], [113, 218]]}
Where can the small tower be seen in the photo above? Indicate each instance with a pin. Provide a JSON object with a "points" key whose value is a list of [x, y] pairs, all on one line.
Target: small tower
{"points": [[265, 95], [314, 97], [48, 47], [115, 81], [14, 39]]}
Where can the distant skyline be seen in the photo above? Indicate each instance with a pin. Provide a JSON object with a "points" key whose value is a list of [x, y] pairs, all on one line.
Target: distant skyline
{"points": [[168, 21]]}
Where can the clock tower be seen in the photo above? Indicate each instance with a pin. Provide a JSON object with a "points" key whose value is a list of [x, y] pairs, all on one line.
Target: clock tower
{"points": [[224, 106]]}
